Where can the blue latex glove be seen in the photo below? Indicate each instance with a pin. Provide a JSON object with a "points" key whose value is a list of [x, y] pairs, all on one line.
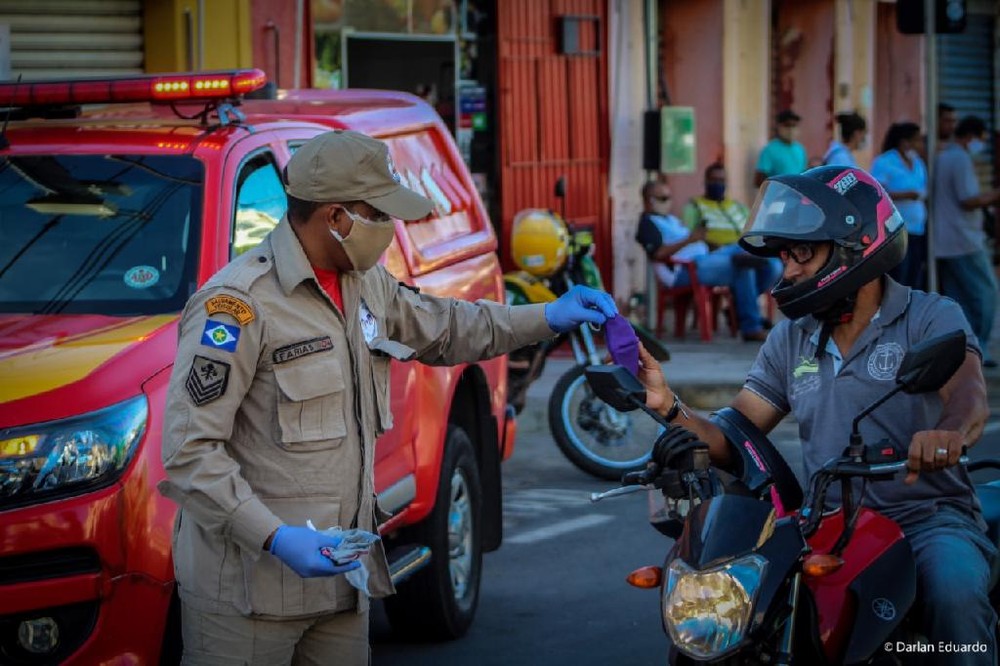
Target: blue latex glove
{"points": [[298, 547], [577, 306]]}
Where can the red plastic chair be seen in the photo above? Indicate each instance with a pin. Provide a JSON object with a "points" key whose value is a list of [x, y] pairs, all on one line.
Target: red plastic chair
{"points": [[707, 301]]}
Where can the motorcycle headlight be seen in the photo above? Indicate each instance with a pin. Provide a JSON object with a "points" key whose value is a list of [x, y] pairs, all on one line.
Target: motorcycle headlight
{"points": [[70, 455], [709, 612]]}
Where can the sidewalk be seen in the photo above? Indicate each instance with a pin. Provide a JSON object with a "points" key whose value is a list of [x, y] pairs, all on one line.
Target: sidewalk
{"points": [[706, 375]]}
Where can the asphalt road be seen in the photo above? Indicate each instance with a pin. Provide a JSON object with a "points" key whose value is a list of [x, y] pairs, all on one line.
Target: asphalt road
{"points": [[555, 592]]}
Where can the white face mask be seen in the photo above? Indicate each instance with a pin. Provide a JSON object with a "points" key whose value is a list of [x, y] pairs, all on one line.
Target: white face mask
{"points": [[976, 146], [366, 241]]}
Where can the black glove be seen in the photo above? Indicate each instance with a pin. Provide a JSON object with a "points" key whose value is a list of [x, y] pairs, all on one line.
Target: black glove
{"points": [[674, 448]]}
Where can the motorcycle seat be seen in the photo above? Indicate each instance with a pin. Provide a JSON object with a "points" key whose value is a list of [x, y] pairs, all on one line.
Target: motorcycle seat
{"points": [[989, 497]]}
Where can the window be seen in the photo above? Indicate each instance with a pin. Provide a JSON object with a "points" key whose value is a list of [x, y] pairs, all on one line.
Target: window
{"points": [[260, 203], [99, 234]]}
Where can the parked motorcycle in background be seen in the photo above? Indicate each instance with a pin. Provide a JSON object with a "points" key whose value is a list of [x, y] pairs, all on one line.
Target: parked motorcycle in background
{"points": [[552, 257], [759, 573]]}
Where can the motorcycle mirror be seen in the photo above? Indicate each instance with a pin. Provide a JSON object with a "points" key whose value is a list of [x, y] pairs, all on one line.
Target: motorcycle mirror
{"points": [[929, 365], [561, 187], [616, 386]]}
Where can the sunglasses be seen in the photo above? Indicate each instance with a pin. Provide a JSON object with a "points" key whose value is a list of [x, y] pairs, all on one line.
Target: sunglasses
{"points": [[663, 199], [800, 253]]}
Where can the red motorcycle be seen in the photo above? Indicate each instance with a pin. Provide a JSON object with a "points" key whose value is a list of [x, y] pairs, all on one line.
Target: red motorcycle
{"points": [[759, 573]]}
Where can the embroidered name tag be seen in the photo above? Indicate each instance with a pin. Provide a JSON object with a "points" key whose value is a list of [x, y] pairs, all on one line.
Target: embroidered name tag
{"points": [[299, 349], [232, 306], [207, 380]]}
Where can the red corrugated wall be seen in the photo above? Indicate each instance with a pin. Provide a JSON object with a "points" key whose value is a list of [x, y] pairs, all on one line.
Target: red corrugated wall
{"points": [[554, 117]]}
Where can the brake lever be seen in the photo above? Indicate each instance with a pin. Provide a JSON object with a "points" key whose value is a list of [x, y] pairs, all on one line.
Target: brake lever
{"points": [[631, 482], [615, 492]]}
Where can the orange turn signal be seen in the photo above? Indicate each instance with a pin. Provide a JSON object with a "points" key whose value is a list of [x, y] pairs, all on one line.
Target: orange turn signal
{"points": [[645, 577], [821, 564]]}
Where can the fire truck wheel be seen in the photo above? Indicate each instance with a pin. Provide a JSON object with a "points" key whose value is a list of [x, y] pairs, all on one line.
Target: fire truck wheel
{"points": [[439, 602]]}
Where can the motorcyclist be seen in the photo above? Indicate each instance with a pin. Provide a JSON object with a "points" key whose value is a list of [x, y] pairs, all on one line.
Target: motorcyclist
{"points": [[848, 326]]}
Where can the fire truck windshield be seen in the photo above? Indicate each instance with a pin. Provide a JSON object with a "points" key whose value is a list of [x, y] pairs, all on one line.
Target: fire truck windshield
{"points": [[99, 234]]}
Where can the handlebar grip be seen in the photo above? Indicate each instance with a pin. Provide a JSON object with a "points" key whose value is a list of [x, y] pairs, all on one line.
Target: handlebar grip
{"points": [[900, 466]]}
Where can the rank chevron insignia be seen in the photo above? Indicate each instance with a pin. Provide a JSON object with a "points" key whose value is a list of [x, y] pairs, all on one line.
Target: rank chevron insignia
{"points": [[207, 380]]}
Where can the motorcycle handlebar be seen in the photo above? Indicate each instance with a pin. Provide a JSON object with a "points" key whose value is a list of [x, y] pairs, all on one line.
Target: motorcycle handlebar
{"points": [[867, 470]]}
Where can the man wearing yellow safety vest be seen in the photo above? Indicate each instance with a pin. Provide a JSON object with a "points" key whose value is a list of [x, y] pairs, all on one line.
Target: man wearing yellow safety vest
{"points": [[723, 219]]}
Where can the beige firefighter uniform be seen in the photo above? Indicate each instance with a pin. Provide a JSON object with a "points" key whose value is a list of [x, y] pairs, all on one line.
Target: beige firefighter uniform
{"points": [[274, 405]]}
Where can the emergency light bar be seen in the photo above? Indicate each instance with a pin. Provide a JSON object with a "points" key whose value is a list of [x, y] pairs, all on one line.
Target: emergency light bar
{"points": [[156, 88]]}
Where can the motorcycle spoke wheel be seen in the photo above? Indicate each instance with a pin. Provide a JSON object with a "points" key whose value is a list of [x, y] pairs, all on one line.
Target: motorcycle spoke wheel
{"points": [[596, 438]]}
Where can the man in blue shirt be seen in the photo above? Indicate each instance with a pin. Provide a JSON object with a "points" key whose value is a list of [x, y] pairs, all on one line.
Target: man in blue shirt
{"points": [[959, 240], [783, 154]]}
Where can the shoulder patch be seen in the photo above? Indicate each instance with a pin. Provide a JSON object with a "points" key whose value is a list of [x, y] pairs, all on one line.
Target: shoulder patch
{"points": [[207, 380], [220, 336], [232, 306]]}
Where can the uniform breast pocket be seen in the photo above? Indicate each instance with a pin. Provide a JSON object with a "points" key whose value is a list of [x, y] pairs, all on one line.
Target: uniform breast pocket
{"points": [[311, 409]]}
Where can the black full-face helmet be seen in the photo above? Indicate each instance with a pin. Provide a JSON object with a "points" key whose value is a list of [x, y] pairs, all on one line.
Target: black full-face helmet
{"points": [[842, 205]]}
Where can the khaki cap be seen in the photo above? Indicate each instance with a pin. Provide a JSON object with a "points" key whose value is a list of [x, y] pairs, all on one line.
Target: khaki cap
{"points": [[344, 165]]}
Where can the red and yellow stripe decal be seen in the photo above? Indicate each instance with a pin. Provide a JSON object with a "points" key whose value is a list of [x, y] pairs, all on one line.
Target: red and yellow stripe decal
{"points": [[53, 363]]}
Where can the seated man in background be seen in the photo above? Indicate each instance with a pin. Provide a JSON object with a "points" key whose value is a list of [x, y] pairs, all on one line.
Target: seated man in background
{"points": [[664, 236]]}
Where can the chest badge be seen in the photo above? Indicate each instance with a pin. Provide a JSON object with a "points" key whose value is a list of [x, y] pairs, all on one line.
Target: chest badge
{"points": [[884, 361], [369, 325]]}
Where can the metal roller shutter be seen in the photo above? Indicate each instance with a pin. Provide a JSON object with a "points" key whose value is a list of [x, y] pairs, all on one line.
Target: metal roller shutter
{"points": [[966, 79], [67, 38]]}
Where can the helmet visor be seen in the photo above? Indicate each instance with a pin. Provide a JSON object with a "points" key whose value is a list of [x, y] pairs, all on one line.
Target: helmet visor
{"points": [[781, 213]]}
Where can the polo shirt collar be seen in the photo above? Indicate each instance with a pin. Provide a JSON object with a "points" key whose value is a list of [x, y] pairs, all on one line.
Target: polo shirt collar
{"points": [[290, 260], [895, 298]]}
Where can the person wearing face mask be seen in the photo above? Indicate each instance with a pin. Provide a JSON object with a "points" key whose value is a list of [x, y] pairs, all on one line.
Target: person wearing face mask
{"points": [[847, 329], [853, 132], [903, 174], [783, 154], [272, 409], [663, 236], [964, 265]]}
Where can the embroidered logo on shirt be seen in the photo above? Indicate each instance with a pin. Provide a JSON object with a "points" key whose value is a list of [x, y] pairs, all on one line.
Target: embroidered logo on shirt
{"points": [[299, 349], [207, 380], [806, 365], [884, 361], [220, 336], [232, 306]]}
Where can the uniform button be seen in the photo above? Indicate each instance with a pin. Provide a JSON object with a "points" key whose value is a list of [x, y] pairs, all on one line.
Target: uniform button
{"points": [[262, 260]]}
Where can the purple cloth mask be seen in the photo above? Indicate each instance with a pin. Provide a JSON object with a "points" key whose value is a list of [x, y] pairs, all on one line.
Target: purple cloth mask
{"points": [[622, 343]]}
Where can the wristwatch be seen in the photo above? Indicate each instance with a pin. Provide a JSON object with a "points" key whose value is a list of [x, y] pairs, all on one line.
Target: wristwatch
{"points": [[675, 409]]}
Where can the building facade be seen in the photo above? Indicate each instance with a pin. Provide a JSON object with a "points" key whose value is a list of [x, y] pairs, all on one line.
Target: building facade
{"points": [[537, 89]]}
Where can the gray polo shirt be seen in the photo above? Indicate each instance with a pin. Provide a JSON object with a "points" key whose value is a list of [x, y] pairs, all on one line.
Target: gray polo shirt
{"points": [[957, 232], [825, 395]]}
